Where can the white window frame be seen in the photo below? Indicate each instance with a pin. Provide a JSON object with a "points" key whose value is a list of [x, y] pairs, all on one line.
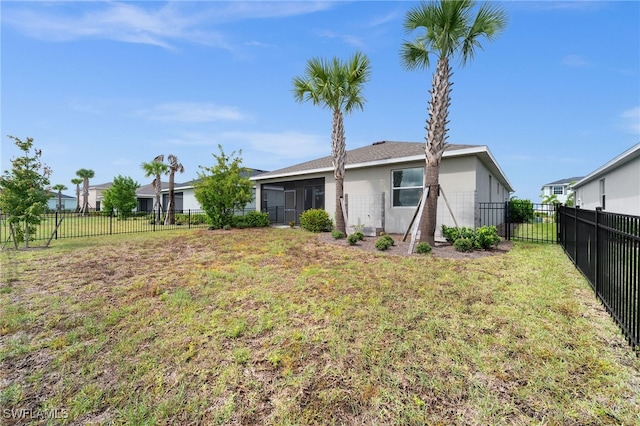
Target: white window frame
{"points": [[399, 188]]}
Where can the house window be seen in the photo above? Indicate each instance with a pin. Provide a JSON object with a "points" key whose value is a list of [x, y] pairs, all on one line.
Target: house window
{"points": [[558, 190], [602, 196], [314, 197], [407, 186]]}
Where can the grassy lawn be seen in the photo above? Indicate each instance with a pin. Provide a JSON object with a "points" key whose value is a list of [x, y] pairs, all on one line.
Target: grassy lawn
{"points": [[270, 326]]}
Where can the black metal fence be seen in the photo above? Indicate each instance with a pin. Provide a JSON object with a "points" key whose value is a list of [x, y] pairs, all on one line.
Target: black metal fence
{"points": [[76, 225], [520, 221], [605, 247]]}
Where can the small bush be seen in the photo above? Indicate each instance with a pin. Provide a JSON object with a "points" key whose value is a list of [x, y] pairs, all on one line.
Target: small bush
{"points": [[463, 244], [316, 220], [227, 227], [389, 238], [486, 236], [359, 235], [353, 239], [423, 248], [384, 242], [257, 219], [337, 234]]}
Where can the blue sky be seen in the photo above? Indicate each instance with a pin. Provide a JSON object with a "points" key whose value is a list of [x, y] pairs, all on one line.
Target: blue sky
{"points": [[109, 85]]}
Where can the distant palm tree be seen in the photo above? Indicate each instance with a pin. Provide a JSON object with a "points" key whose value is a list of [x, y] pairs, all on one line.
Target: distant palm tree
{"points": [[156, 168], [59, 187], [449, 29], [85, 174], [77, 182], [338, 86], [174, 166]]}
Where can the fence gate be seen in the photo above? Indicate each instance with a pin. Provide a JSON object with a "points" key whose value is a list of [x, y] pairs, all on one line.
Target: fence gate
{"points": [[521, 220]]}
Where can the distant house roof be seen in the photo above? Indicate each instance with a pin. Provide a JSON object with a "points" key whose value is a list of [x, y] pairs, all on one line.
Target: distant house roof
{"points": [[630, 154], [192, 183], [564, 181], [387, 152], [53, 194]]}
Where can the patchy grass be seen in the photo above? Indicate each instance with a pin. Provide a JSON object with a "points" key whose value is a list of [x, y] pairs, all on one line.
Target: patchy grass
{"points": [[270, 326]]}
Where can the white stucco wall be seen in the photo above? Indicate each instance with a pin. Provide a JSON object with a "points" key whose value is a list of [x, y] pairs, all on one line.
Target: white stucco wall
{"points": [[622, 190]]}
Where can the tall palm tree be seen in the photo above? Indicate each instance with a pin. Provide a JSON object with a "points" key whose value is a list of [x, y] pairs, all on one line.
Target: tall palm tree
{"points": [[449, 28], [175, 166], [338, 86], [156, 168], [77, 182], [59, 187], [85, 174]]}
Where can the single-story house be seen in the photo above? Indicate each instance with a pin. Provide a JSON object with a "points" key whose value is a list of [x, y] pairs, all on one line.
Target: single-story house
{"points": [[66, 202], [185, 196], [560, 188], [383, 184], [614, 187]]}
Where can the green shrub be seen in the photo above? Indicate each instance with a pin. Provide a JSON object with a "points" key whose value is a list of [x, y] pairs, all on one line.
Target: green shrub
{"points": [[360, 235], [384, 242], [316, 220], [257, 219], [337, 234], [451, 233], [463, 244], [389, 238], [353, 239], [423, 248], [520, 211], [227, 227], [486, 236]]}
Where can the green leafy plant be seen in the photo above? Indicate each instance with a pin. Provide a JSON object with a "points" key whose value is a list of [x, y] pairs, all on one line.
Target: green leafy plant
{"points": [[316, 220], [423, 248], [485, 237], [359, 235], [520, 211], [257, 219], [337, 234], [353, 239], [463, 244], [121, 196], [384, 242]]}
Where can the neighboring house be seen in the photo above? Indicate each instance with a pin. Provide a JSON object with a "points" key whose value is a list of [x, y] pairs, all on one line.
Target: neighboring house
{"points": [[95, 195], [560, 188], [68, 202], [185, 196], [383, 183], [614, 187]]}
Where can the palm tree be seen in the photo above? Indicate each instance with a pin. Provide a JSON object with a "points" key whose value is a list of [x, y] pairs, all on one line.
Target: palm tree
{"points": [[338, 86], [449, 29], [156, 168], [77, 182], [174, 166], [85, 174], [59, 187]]}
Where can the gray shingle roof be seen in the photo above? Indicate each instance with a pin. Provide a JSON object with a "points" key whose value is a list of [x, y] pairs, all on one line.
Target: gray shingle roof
{"points": [[564, 181], [378, 151]]}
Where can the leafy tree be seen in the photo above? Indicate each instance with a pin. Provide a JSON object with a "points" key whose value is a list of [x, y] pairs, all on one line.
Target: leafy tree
{"points": [[549, 199], [156, 168], [448, 29], [59, 187], [520, 211], [121, 196], [85, 174], [24, 190], [77, 182], [223, 188], [338, 86], [175, 166]]}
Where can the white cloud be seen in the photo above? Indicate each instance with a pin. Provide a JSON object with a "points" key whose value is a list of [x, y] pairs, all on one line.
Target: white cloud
{"points": [[348, 39], [631, 119], [191, 112], [576, 61], [143, 22]]}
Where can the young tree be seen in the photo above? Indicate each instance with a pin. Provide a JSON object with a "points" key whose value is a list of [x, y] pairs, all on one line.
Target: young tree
{"points": [[175, 166], [156, 168], [77, 182], [24, 190], [449, 29], [338, 86], [59, 187], [223, 188], [121, 196], [85, 174]]}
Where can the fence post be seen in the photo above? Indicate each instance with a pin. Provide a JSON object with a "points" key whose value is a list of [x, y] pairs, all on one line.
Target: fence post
{"points": [[596, 257], [111, 223], [507, 222], [189, 218], [56, 237]]}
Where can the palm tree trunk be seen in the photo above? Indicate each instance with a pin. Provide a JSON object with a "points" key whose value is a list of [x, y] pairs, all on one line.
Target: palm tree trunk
{"points": [[85, 196], [436, 143], [339, 156], [171, 206]]}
